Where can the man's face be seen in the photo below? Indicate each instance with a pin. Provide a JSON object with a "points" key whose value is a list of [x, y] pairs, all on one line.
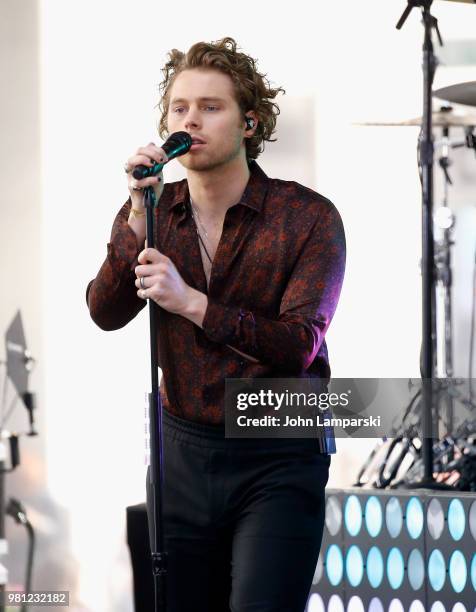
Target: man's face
{"points": [[202, 103]]}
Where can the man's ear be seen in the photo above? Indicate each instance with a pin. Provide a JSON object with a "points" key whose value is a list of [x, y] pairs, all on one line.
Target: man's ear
{"points": [[251, 121]]}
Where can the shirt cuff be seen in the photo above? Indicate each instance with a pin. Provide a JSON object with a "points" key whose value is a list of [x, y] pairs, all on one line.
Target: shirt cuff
{"points": [[219, 323], [229, 325]]}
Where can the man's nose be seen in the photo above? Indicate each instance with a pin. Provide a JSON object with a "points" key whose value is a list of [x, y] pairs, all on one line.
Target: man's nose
{"points": [[192, 119]]}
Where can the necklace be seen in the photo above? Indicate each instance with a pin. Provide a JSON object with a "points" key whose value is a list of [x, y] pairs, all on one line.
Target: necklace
{"points": [[196, 218]]}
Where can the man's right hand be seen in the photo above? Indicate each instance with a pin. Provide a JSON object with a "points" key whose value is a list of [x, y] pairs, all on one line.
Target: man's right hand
{"points": [[145, 156]]}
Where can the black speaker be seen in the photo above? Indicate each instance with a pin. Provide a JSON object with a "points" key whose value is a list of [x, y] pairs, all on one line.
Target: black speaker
{"points": [[139, 548]]}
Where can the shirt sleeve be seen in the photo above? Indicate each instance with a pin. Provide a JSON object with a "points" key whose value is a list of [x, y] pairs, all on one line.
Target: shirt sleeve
{"points": [[292, 341], [111, 297]]}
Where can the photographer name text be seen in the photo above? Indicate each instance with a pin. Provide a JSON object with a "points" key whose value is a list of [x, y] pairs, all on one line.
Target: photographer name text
{"points": [[298, 421]]}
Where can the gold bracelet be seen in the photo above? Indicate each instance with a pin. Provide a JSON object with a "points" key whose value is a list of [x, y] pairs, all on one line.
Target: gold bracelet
{"points": [[137, 213]]}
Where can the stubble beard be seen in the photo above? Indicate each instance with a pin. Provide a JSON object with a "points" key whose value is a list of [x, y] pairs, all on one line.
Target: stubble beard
{"points": [[212, 162]]}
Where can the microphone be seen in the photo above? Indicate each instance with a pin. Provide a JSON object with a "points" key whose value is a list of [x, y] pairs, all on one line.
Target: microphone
{"points": [[176, 144]]}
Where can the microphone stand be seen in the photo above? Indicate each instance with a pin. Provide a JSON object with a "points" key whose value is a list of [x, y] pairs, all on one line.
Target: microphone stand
{"points": [[18, 513], [156, 472], [445, 220], [426, 155]]}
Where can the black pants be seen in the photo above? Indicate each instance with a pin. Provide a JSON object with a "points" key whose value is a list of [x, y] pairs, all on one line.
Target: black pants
{"points": [[243, 519]]}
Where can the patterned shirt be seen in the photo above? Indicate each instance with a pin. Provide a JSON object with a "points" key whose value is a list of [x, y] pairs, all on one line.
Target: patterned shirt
{"points": [[274, 286]]}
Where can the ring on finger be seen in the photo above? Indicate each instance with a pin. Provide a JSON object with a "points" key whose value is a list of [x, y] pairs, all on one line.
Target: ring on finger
{"points": [[141, 283]]}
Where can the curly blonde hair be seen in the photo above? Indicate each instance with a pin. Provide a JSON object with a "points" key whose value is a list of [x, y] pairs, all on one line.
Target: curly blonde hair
{"points": [[253, 90]]}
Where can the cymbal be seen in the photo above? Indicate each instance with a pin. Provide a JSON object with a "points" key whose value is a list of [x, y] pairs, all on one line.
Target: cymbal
{"points": [[440, 119], [462, 93], [465, 1]]}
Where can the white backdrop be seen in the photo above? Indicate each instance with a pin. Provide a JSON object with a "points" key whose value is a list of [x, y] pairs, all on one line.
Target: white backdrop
{"points": [[100, 67]]}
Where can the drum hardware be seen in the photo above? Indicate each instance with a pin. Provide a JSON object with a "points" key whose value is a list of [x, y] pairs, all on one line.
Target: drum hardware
{"points": [[397, 460]]}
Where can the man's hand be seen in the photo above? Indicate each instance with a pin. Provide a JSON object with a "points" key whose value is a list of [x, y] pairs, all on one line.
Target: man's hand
{"points": [[145, 156], [159, 280]]}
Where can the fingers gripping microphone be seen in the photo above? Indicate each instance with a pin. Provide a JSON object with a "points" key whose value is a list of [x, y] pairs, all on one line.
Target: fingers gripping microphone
{"points": [[176, 144]]}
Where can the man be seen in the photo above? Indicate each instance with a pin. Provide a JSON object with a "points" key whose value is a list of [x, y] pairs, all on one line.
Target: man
{"points": [[248, 272]]}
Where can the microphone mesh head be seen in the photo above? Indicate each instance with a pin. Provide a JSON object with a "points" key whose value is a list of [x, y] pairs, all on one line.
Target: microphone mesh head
{"points": [[177, 143]]}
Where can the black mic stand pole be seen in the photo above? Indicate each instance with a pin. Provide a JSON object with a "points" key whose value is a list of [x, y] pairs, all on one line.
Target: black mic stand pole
{"points": [[156, 472], [426, 155], [445, 221]]}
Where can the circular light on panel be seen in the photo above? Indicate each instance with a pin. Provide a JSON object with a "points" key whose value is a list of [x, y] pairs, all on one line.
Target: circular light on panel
{"points": [[416, 606], [435, 518], [416, 569], [335, 604], [395, 606], [458, 607], [373, 516], [473, 572], [353, 515], [334, 564], [374, 565], [395, 568], [333, 515], [315, 604], [375, 605], [393, 517], [318, 571], [437, 607], [472, 519], [457, 571], [354, 565], [436, 570], [456, 519], [355, 605], [414, 517]]}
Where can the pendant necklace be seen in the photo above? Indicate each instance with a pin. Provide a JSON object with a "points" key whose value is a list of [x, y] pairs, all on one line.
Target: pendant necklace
{"points": [[197, 222]]}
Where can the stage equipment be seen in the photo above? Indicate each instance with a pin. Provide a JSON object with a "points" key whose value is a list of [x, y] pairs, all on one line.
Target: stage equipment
{"points": [[461, 93], [454, 460], [435, 265], [400, 551], [139, 548], [397, 461], [18, 513], [156, 471], [445, 117], [19, 364], [427, 262]]}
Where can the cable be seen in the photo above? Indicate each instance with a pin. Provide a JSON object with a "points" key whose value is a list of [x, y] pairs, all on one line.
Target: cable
{"points": [[397, 433]]}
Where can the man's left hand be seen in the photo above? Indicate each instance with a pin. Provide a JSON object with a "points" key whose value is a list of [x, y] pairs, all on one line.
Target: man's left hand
{"points": [[162, 283]]}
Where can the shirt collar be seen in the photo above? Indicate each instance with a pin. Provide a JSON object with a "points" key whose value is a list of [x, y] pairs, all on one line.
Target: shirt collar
{"points": [[253, 195]]}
